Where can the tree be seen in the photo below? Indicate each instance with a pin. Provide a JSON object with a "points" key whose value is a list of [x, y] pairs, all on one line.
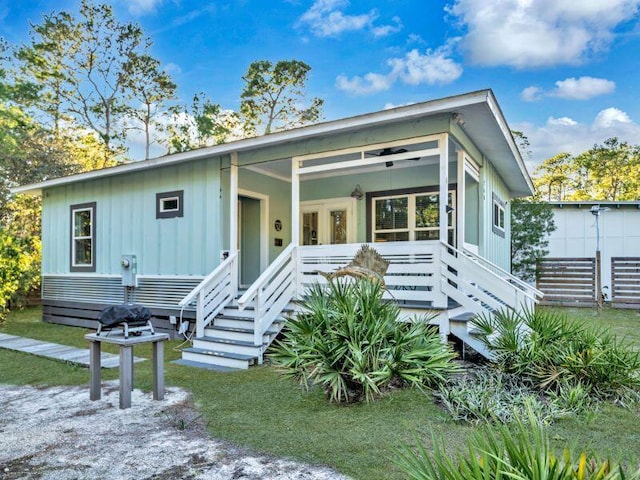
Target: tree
{"points": [[612, 171], [274, 97], [531, 223], [202, 124], [92, 68], [150, 86], [555, 178]]}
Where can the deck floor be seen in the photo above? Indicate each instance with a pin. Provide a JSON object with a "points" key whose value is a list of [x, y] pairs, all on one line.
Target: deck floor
{"points": [[58, 352]]}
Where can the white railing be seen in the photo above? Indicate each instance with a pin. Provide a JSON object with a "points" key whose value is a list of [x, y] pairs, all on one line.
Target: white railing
{"points": [[480, 289], [214, 292], [412, 276], [271, 292], [530, 289]]}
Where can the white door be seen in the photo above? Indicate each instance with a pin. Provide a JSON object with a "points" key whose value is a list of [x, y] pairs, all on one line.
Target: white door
{"points": [[327, 222]]}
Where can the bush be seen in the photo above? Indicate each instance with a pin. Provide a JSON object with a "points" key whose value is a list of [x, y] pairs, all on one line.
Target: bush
{"points": [[347, 339], [556, 354], [521, 453], [494, 396]]}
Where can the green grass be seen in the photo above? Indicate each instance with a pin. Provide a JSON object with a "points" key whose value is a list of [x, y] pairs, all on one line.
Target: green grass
{"points": [[261, 410]]}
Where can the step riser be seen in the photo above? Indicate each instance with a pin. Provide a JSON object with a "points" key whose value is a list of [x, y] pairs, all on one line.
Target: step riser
{"points": [[232, 323], [215, 360], [235, 312], [244, 337], [226, 347]]}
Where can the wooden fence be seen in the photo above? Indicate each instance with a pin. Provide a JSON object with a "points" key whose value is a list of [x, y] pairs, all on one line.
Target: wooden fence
{"points": [[567, 281], [625, 282]]}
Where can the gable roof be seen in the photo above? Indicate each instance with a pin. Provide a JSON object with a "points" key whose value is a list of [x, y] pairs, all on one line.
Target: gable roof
{"points": [[484, 124]]}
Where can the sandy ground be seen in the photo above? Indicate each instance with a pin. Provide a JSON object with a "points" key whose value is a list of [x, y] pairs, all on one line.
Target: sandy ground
{"points": [[58, 433]]}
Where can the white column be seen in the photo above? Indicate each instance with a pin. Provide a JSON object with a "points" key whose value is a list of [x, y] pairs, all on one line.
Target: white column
{"points": [[444, 185], [233, 202], [295, 202], [461, 201]]}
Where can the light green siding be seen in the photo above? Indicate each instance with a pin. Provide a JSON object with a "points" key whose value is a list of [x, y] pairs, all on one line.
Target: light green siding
{"points": [[126, 221], [493, 247]]}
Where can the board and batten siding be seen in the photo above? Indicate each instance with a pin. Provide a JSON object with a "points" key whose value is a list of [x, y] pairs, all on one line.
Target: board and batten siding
{"points": [[493, 247], [126, 221]]}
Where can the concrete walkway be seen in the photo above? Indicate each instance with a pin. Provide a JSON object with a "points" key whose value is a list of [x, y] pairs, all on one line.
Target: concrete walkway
{"points": [[57, 351]]}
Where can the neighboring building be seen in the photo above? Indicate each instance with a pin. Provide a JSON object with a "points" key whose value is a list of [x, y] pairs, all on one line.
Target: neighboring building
{"points": [[267, 213], [575, 238]]}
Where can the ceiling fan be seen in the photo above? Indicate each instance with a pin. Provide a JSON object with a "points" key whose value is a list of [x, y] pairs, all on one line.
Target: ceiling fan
{"points": [[390, 151]]}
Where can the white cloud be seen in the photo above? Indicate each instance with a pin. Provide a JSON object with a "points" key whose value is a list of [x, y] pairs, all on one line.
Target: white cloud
{"points": [[326, 18], [173, 68], [531, 94], [539, 33], [565, 134], [611, 118], [432, 67], [367, 84], [386, 30], [142, 7], [582, 88]]}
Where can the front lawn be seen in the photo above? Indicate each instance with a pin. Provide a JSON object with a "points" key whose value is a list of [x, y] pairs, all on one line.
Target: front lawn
{"points": [[261, 410]]}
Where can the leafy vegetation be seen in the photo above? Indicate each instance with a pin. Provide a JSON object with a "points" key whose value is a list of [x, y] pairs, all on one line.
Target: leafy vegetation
{"points": [[487, 395], [259, 409], [531, 224], [561, 356], [348, 340], [523, 452]]}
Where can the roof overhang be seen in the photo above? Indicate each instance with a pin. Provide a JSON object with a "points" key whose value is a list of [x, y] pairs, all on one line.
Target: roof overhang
{"points": [[484, 124]]}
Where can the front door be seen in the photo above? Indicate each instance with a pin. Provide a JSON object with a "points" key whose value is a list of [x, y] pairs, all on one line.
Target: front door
{"points": [[249, 239], [327, 222]]}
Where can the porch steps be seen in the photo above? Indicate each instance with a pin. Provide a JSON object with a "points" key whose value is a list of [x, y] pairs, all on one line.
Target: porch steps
{"points": [[204, 366], [461, 326], [228, 343]]}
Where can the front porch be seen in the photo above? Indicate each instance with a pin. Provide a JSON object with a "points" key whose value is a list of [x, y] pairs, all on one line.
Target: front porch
{"points": [[423, 277]]}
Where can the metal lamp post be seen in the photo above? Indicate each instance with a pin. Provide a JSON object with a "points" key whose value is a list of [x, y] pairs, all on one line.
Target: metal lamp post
{"points": [[595, 211]]}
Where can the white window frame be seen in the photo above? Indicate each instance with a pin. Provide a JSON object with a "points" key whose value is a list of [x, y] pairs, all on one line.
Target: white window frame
{"points": [[411, 212], [163, 202], [83, 267], [498, 212]]}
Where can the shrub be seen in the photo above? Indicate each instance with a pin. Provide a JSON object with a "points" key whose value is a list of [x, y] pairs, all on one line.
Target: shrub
{"points": [[521, 453], [347, 339], [494, 396], [554, 353]]}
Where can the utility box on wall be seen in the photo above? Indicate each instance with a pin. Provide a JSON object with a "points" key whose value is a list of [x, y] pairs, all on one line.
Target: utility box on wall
{"points": [[129, 270]]}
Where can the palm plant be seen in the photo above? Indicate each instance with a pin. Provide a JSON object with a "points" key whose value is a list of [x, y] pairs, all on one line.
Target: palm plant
{"points": [[519, 453], [347, 339]]}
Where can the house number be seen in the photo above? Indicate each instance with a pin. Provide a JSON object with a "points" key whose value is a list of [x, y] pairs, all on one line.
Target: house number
{"points": [[278, 225]]}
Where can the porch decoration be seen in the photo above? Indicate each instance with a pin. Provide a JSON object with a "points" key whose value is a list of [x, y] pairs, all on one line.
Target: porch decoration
{"points": [[367, 263]]}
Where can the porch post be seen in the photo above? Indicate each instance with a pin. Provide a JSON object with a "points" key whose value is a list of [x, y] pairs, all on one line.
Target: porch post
{"points": [[444, 186], [440, 299], [295, 202], [233, 220], [461, 202]]}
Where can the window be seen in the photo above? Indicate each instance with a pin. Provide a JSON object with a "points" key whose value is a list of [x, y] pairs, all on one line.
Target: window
{"points": [[169, 204], [83, 235], [409, 216], [498, 216]]}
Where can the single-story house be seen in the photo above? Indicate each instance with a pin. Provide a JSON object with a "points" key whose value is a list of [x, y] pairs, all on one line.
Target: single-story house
{"points": [[568, 273], [227, 236]]}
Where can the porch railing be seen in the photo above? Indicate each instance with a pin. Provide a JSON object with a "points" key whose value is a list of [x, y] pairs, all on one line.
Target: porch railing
{"points": [[271, 292], [214, 292], [412, 276], [478, 288]]}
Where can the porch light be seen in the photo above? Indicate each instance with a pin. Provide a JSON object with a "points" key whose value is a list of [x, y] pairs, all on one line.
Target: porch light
{"points": [[357, 193], [449, 208], [458, 118]]}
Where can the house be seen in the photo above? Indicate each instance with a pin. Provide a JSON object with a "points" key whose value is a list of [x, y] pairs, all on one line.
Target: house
{"points": [[567, 276], [228, 236]]}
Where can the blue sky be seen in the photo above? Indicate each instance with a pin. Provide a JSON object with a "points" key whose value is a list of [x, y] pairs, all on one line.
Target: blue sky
{"points": [[566, 72]]}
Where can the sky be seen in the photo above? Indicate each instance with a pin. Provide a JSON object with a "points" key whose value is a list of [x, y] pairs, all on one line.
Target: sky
{"points": [[565, 72]]}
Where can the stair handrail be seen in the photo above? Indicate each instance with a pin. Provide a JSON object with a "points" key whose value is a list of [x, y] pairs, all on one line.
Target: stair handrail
{"points": [[490, 265], [219, 270], [479, 260], [266, 276]]}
